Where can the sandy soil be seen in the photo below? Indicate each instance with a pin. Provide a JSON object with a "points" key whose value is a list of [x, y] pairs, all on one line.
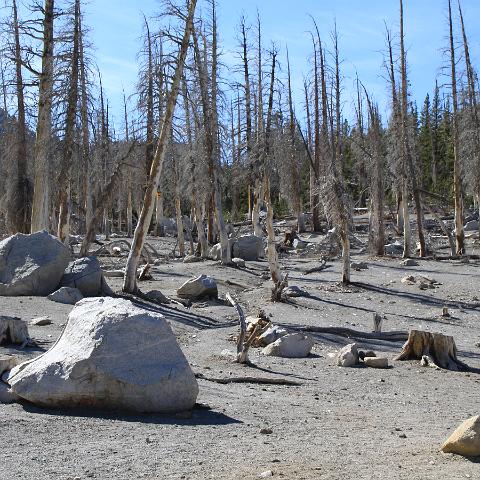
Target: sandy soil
{"points": [[339, 424]]}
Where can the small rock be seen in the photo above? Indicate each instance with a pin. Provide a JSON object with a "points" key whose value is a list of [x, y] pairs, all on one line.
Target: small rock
{"points": [[266, 431], [66, 295], [362, 354], [410, 279], [239, 262], [272, 335], [293, 345], [465, 440], [266, 474], [157, 296], [409, 262], [41, 321], [359, 266], [402, 435], [376, 362], [294, 291], [348, 356], [192, 259]]}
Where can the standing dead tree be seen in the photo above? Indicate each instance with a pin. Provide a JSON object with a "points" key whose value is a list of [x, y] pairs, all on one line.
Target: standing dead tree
{"points": [[130, 280]]}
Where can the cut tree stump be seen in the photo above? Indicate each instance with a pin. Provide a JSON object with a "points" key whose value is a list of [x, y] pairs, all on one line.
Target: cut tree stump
{"points": [[13, 331], [433, 349]]}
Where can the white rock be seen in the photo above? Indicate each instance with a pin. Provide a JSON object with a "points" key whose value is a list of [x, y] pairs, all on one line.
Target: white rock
{"points": [[198, 287], [66, 295], [272, 335], [31, 264], [348, 356], [40, 321], [239, 262], [266, 474], [111, 355], [376, 362], [293, 345]]}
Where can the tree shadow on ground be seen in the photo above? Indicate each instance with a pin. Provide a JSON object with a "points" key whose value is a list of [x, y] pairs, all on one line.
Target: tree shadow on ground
{"points": [[419, 269], [199, 416]]}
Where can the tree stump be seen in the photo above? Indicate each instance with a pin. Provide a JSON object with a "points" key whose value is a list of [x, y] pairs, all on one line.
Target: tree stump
{"points": [[434, 349], [13, 331]]}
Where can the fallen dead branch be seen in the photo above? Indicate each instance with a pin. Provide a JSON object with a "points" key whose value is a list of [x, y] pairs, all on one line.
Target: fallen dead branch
{"points": [[394, 336], [320, 268], [255, 380]]}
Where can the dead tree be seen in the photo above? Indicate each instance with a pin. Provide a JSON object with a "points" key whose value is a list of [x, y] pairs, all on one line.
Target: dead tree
{"points": [[433, 349], [68, 142], [41, 189], [457, 166], [130, 281]]}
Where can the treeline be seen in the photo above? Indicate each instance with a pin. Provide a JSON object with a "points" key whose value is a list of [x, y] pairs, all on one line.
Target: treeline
{"points": [[238, 143]]}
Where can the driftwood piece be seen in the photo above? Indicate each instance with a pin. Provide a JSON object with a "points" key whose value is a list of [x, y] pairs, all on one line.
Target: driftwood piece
{"points": [[393, 336], [145, 273], [433, 349], [255, 380], [14, 331]]}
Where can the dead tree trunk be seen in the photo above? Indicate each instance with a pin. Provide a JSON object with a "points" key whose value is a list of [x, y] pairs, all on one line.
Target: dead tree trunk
{"points": [[41, 189], [433, 349], [457, 167], [68, 145], [130, 281]]}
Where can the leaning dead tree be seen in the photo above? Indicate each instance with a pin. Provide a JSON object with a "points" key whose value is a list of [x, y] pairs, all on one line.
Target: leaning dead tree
{"points": [[141, 230]]}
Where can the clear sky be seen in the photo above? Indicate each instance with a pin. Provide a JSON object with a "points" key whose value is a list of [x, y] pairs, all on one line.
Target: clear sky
{"points": [[117, 24]]}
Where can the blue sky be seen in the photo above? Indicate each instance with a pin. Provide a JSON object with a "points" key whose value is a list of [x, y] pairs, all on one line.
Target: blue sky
{"points": [[117, 24]]}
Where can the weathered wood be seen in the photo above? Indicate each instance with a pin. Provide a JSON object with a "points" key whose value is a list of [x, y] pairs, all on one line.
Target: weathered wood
{"points": [[255, 380], [242, 347], [13, 331], [434, 349]]}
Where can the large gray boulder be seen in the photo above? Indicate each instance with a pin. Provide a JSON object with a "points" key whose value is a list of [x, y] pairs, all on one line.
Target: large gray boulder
{"points": [[198, 288], [111, 355], [31, 264], [85, 274], [248, 247]]}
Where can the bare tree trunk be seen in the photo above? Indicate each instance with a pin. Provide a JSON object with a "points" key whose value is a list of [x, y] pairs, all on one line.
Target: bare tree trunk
{"points": [[130, 280], [18, 200], [315, 200], [457, 167], [129, 209], [41, 189], [68, 145]]}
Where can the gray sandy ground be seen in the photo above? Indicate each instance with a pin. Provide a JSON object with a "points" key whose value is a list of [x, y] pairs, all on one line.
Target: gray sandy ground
{"points": [[339, 424]]}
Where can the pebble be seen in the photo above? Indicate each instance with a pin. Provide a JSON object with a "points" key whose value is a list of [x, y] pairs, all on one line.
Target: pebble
{"points": [[266, 431], [266, 474]]}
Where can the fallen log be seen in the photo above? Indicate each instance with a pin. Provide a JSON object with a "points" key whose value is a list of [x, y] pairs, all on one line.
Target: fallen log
{"points": [[433, 349], [393, 336], [255, 380]]}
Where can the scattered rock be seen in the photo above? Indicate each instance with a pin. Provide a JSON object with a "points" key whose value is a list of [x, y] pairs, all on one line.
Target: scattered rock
{"points": [[7, 362], [394, 248], [272, 335], [266, 431], [471, 226], [376, 362], [248, 247], [266, 474], [157, 296], [239, 262], [369, 353], [31, 264], [348, 356], [409, 262], [293, 345], [192, 259], [66, 295], [6, 394], [294, 291], [111, 355], [465, 440], [359, 266], [13, 331], [86, 275], [40, 322], [409, 279], [198, 287], [299, 244]]}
